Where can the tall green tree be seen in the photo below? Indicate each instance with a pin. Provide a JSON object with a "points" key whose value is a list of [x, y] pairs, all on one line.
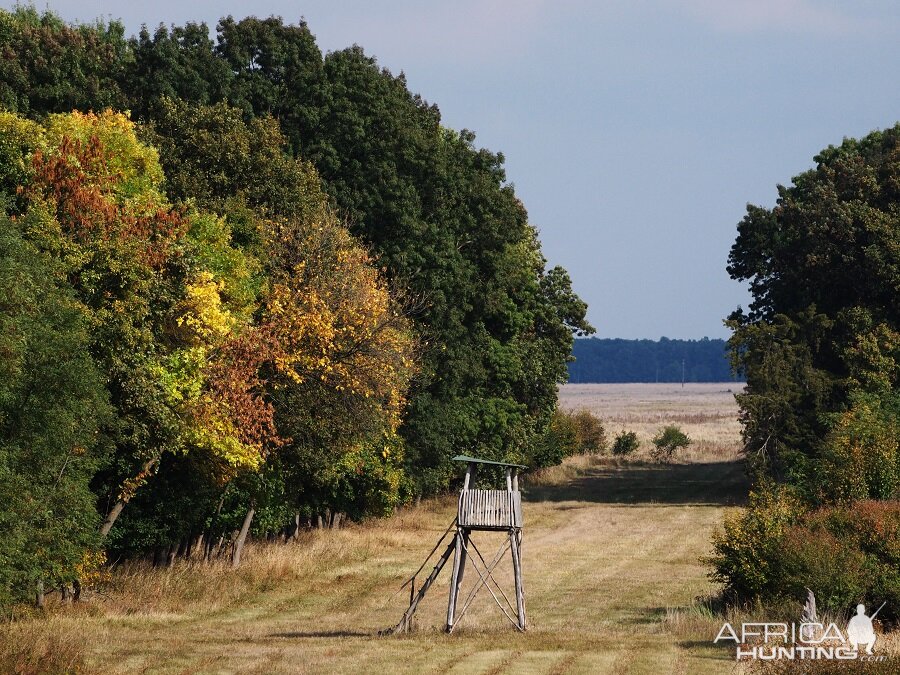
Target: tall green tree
{"points": [[176, 63], [824, 271], [441, 216], [53, 407], [318, 283], [50, 66], [436, 211], [167, 331]]}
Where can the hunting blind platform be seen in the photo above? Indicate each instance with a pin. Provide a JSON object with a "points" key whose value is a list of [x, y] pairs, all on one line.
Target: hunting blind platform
{"points": [[478, 510]]}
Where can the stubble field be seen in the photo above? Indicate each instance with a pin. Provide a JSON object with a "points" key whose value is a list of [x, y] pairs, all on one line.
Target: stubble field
{"points": [[611, 554]]}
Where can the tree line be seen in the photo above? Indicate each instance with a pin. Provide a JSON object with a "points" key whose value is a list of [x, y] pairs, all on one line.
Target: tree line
{"points": [[663, 360], [246, 288]]}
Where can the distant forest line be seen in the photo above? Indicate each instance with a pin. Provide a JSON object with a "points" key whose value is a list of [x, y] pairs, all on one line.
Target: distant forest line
{"points": [[618, 360]]}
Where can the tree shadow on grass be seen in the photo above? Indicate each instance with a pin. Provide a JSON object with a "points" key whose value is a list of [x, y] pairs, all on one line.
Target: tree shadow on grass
{"points": [[323, 634], [611, 481], [703, 645]]}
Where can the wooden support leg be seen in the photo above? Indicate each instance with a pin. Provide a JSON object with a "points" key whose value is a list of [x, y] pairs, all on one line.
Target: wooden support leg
{"points": [[459, 567], [515, 551], [463, 558], [406, 622]]}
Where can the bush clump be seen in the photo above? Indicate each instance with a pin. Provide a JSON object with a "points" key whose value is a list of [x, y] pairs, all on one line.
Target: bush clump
{"points": [[555, 444], [860, 457], [590, 434], [667, 441], [776, 548], [578, 433], [625, 443]]}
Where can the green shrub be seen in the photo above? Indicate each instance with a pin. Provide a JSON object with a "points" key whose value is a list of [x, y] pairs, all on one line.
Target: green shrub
{"points": [[776, 548], [590, 435], [625, 443], [861, 455], [667, 441], [556, 443], [746, 547], [873, 528], [836, 572], [368, 480]]}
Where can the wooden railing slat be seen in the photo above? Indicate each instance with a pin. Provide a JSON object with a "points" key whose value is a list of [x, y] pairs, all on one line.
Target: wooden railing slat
{"points": [[490, 508]]}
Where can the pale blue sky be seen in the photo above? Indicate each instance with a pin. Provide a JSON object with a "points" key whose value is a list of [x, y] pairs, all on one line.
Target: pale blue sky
{"points": [[635, 131]]}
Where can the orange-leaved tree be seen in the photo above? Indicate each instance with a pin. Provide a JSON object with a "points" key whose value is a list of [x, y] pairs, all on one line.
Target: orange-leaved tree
{"points": [[343, 353]]}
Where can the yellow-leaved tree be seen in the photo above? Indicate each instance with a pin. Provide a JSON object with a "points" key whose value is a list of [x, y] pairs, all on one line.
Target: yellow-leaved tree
{"points": [[343, 354]]}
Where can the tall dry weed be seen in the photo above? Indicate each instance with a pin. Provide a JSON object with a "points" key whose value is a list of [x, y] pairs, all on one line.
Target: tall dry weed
{"points": [[42, 646]]}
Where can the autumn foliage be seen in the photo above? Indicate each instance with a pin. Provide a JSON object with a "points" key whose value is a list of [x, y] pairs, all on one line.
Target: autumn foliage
{"points": [[289, 294], [192, 360]]}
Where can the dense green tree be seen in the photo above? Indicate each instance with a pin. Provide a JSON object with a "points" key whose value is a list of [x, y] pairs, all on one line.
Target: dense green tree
{"points": [[439, 213], [436, 211], [277, 71], [256, 354], [173, 64], [50, 66], [168, 333], [824, 271], [53, 406], [214, 158]]}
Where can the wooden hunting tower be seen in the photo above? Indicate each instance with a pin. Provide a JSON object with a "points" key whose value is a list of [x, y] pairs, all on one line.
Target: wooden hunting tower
{"points": [[478, 510], [487, 510]]}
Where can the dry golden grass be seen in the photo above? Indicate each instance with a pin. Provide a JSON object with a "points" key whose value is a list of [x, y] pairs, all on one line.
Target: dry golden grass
{"points": [[706, 412], [612, 579]]}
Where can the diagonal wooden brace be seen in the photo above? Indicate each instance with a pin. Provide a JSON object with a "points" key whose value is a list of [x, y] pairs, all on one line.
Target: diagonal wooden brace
{"points": [[483, 581], [406, 621]]}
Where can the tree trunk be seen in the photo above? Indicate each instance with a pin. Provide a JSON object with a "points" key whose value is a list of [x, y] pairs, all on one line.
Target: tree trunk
{"points": [[242, 537], [76, 590], [227, 540], [217, 547], [111, 517], [196, 550], [39, 595], [210, 546]]}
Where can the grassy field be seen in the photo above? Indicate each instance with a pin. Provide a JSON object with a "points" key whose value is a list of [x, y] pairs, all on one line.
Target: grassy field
{"points": [[706, 412], [611, 563]]}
